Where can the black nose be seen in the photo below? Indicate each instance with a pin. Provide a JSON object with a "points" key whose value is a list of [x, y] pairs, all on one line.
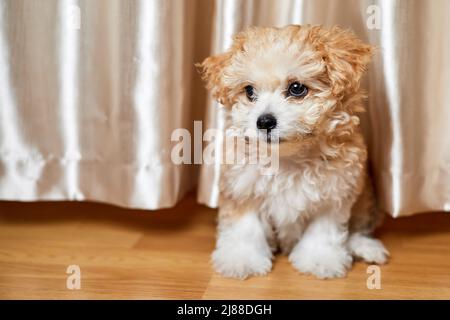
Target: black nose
{"points": [[266, 121]]}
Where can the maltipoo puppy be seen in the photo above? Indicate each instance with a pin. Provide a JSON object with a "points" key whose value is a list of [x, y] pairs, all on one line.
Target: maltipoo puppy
{"points": [[298, 87]]}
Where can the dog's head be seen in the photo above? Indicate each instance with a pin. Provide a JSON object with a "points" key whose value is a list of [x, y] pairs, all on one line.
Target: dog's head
{"points": [[296, 83]]}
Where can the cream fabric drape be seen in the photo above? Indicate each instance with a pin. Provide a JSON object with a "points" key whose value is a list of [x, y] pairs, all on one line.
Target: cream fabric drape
{"points": [[91, 90]]}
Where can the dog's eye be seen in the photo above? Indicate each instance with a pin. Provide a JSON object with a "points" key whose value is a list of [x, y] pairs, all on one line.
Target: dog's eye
{"points": [[250, 92], [297, 89]]}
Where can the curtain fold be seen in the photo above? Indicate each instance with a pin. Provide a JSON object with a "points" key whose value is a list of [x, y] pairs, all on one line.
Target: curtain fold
{"points": [[91, 91]]}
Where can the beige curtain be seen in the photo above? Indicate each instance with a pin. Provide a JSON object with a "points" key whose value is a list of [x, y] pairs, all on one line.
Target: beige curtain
{"points": [[91, 90]]}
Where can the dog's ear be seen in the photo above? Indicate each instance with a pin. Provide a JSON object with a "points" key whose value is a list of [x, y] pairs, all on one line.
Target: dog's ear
{"points": [[212, 69], [346, 58]]}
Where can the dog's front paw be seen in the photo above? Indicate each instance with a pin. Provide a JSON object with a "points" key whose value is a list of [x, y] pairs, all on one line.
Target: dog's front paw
{"points": [[368, 249], [241, 261], [323, 261]]}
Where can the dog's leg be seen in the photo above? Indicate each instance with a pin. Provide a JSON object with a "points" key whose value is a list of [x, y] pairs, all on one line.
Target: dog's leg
{"points": [[242, 249], [322, 250]]}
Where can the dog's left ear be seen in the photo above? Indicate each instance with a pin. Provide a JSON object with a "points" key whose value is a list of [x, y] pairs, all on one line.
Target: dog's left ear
{"points": [[346, 59]]}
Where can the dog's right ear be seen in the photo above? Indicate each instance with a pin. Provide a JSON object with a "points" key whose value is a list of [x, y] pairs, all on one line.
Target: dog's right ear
{"points": [[212, 71], [215, 73]]}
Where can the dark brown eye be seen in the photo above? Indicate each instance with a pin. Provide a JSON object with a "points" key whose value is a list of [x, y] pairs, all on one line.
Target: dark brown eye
{"points": [[297, 89], [250, 92]]}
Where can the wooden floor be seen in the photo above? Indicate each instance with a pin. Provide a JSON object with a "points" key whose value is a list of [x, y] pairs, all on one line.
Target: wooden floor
{"points": [[165, 254]]}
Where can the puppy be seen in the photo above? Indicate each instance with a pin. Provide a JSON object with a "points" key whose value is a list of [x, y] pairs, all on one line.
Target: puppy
{"points": [[298, 87]]}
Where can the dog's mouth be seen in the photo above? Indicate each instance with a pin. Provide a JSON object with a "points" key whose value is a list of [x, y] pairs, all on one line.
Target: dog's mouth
{"points": [[269, 138], [274, 137]]}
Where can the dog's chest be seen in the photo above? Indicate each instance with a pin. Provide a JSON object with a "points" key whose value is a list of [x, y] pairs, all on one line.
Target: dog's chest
{"points": [[291, 191]]}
